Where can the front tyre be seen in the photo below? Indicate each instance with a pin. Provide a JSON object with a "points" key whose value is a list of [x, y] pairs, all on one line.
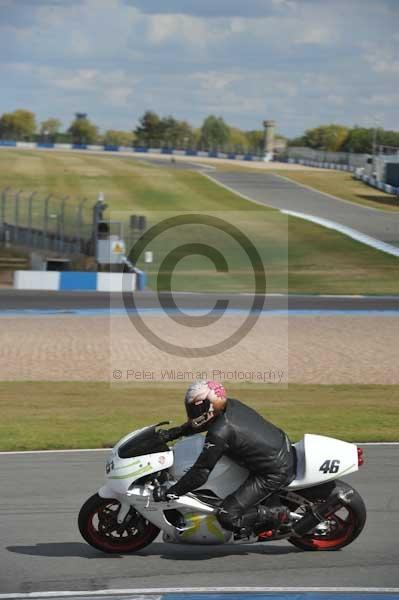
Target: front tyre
{"points": [[98, 525], [341, 528]]}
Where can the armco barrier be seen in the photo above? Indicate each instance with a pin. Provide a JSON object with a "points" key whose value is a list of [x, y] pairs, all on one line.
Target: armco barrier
{"points": [[79, 281]]}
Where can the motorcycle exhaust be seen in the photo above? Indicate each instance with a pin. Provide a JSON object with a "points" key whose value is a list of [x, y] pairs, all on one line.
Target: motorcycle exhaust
{"points": [[321, 512]]}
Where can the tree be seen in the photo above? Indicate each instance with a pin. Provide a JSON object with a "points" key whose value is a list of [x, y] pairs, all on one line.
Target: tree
{"points": [[50, 128], [298, 141], [326, 137], [185, 136], [18, 125], [359, 140], [238, 141], [83, 131], [168, 131], [214, 133], [115, 137], [256, 141], [388, 138], [149, 131], [175, 134]]}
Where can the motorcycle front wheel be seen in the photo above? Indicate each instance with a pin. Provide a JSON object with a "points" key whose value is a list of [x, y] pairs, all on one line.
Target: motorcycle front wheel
{"points": [[341, 528], [98, 525]]}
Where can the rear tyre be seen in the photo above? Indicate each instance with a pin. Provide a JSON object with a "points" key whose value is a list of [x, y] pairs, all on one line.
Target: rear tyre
{"points": [[98, 525], [341, 528]]}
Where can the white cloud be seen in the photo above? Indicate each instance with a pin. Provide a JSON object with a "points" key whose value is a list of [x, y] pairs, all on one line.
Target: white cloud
{"points": [[83, 79], [382, 100], [317, 34], [335, 100], [115, 87], [213, 9], [383, 59], [302, 62], [216, 80], [179, 29]]}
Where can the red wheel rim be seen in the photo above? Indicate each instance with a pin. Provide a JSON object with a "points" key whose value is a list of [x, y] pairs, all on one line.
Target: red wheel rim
{"points": [[129, 544], [342, 530]]}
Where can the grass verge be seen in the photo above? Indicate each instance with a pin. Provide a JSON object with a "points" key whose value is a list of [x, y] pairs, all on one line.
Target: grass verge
{"points": [[319, 260], [47, 415], [342, 185]]}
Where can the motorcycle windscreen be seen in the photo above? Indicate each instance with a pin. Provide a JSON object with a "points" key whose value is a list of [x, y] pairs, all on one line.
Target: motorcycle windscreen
{"points": [[145, 441]]}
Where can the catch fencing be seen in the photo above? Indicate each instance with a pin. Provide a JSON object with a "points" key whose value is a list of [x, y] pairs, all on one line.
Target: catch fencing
{"points": [[320, 156], [46, 222]]}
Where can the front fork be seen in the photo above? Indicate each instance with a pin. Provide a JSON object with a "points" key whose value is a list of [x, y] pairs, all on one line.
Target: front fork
{"points": [[125, 505]]}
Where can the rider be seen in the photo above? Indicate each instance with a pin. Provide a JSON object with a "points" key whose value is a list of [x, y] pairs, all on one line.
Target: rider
{"points": [[241, 433]]}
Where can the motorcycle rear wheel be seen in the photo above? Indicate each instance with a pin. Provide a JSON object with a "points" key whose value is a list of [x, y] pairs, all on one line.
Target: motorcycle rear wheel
{"points": [[341, 528], [98, 525]]}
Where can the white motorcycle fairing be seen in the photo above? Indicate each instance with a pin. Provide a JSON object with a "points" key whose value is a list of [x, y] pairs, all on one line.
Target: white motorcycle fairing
{"points": [[319, 459], [313, 452]]}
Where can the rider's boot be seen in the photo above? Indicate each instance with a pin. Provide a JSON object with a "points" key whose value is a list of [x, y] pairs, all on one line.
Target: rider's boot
{"points": [[257, 519]]}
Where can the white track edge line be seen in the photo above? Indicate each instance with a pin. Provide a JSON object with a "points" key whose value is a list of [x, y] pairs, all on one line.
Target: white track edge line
{"points": [[160, 591], [354, 234], [75, 450], [344, 229]]}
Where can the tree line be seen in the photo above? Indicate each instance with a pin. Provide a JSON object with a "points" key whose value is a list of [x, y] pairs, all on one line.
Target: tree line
{"points": [[152, 131], [339, 138], [214, 134]]}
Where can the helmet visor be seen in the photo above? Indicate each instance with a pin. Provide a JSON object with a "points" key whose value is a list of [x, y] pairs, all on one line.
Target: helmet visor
{"points": [[197, 408]]}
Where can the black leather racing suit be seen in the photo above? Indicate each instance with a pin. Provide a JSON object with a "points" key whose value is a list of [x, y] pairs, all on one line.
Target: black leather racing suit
{"points": [[254, 443]]}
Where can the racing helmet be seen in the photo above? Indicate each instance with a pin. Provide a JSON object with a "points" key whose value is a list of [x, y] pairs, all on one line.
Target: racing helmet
{"points": [[204, 400]]}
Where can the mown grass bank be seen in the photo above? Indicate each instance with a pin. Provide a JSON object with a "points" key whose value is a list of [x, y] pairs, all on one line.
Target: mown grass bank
{"points": [[47, 415], [300, 257]]}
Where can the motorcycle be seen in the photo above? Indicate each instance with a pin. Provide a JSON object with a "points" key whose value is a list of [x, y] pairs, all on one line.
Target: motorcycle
{"points": [[122, 517]]}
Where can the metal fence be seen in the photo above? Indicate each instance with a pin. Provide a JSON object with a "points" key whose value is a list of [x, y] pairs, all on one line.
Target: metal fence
{"points": [[341, 158], [63, 225]]}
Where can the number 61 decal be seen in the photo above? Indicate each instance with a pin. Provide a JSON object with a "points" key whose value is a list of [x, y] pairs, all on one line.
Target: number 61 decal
{"points": [[330, 466]]}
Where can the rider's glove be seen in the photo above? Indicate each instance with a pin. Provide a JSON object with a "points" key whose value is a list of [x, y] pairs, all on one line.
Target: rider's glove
{"points": [[168, 435], [164, 435], [160, 494]]}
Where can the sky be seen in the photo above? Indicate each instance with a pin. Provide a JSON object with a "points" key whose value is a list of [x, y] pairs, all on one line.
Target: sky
{"points": [[300, 62]]}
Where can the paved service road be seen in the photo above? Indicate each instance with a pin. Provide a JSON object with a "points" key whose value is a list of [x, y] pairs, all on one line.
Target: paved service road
{"points": [[282, 193], [69, 301], [41, 548]]}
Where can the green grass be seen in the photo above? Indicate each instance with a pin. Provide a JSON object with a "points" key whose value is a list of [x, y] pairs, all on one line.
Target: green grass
{"points": [[342, 185], [45, 415], [319, 260]]}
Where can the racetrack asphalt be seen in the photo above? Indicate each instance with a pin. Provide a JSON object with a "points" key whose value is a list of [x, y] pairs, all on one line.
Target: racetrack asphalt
{"points": [[284, 194], [42, 550], [19, 300]]}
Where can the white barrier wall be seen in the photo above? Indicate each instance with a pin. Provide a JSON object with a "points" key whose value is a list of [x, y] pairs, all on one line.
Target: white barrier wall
{"points": [[116, 282], [37, 280], [78, 281]]}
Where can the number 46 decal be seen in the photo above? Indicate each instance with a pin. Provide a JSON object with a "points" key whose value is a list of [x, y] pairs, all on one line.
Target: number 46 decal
{"points": [[330, 466]]}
